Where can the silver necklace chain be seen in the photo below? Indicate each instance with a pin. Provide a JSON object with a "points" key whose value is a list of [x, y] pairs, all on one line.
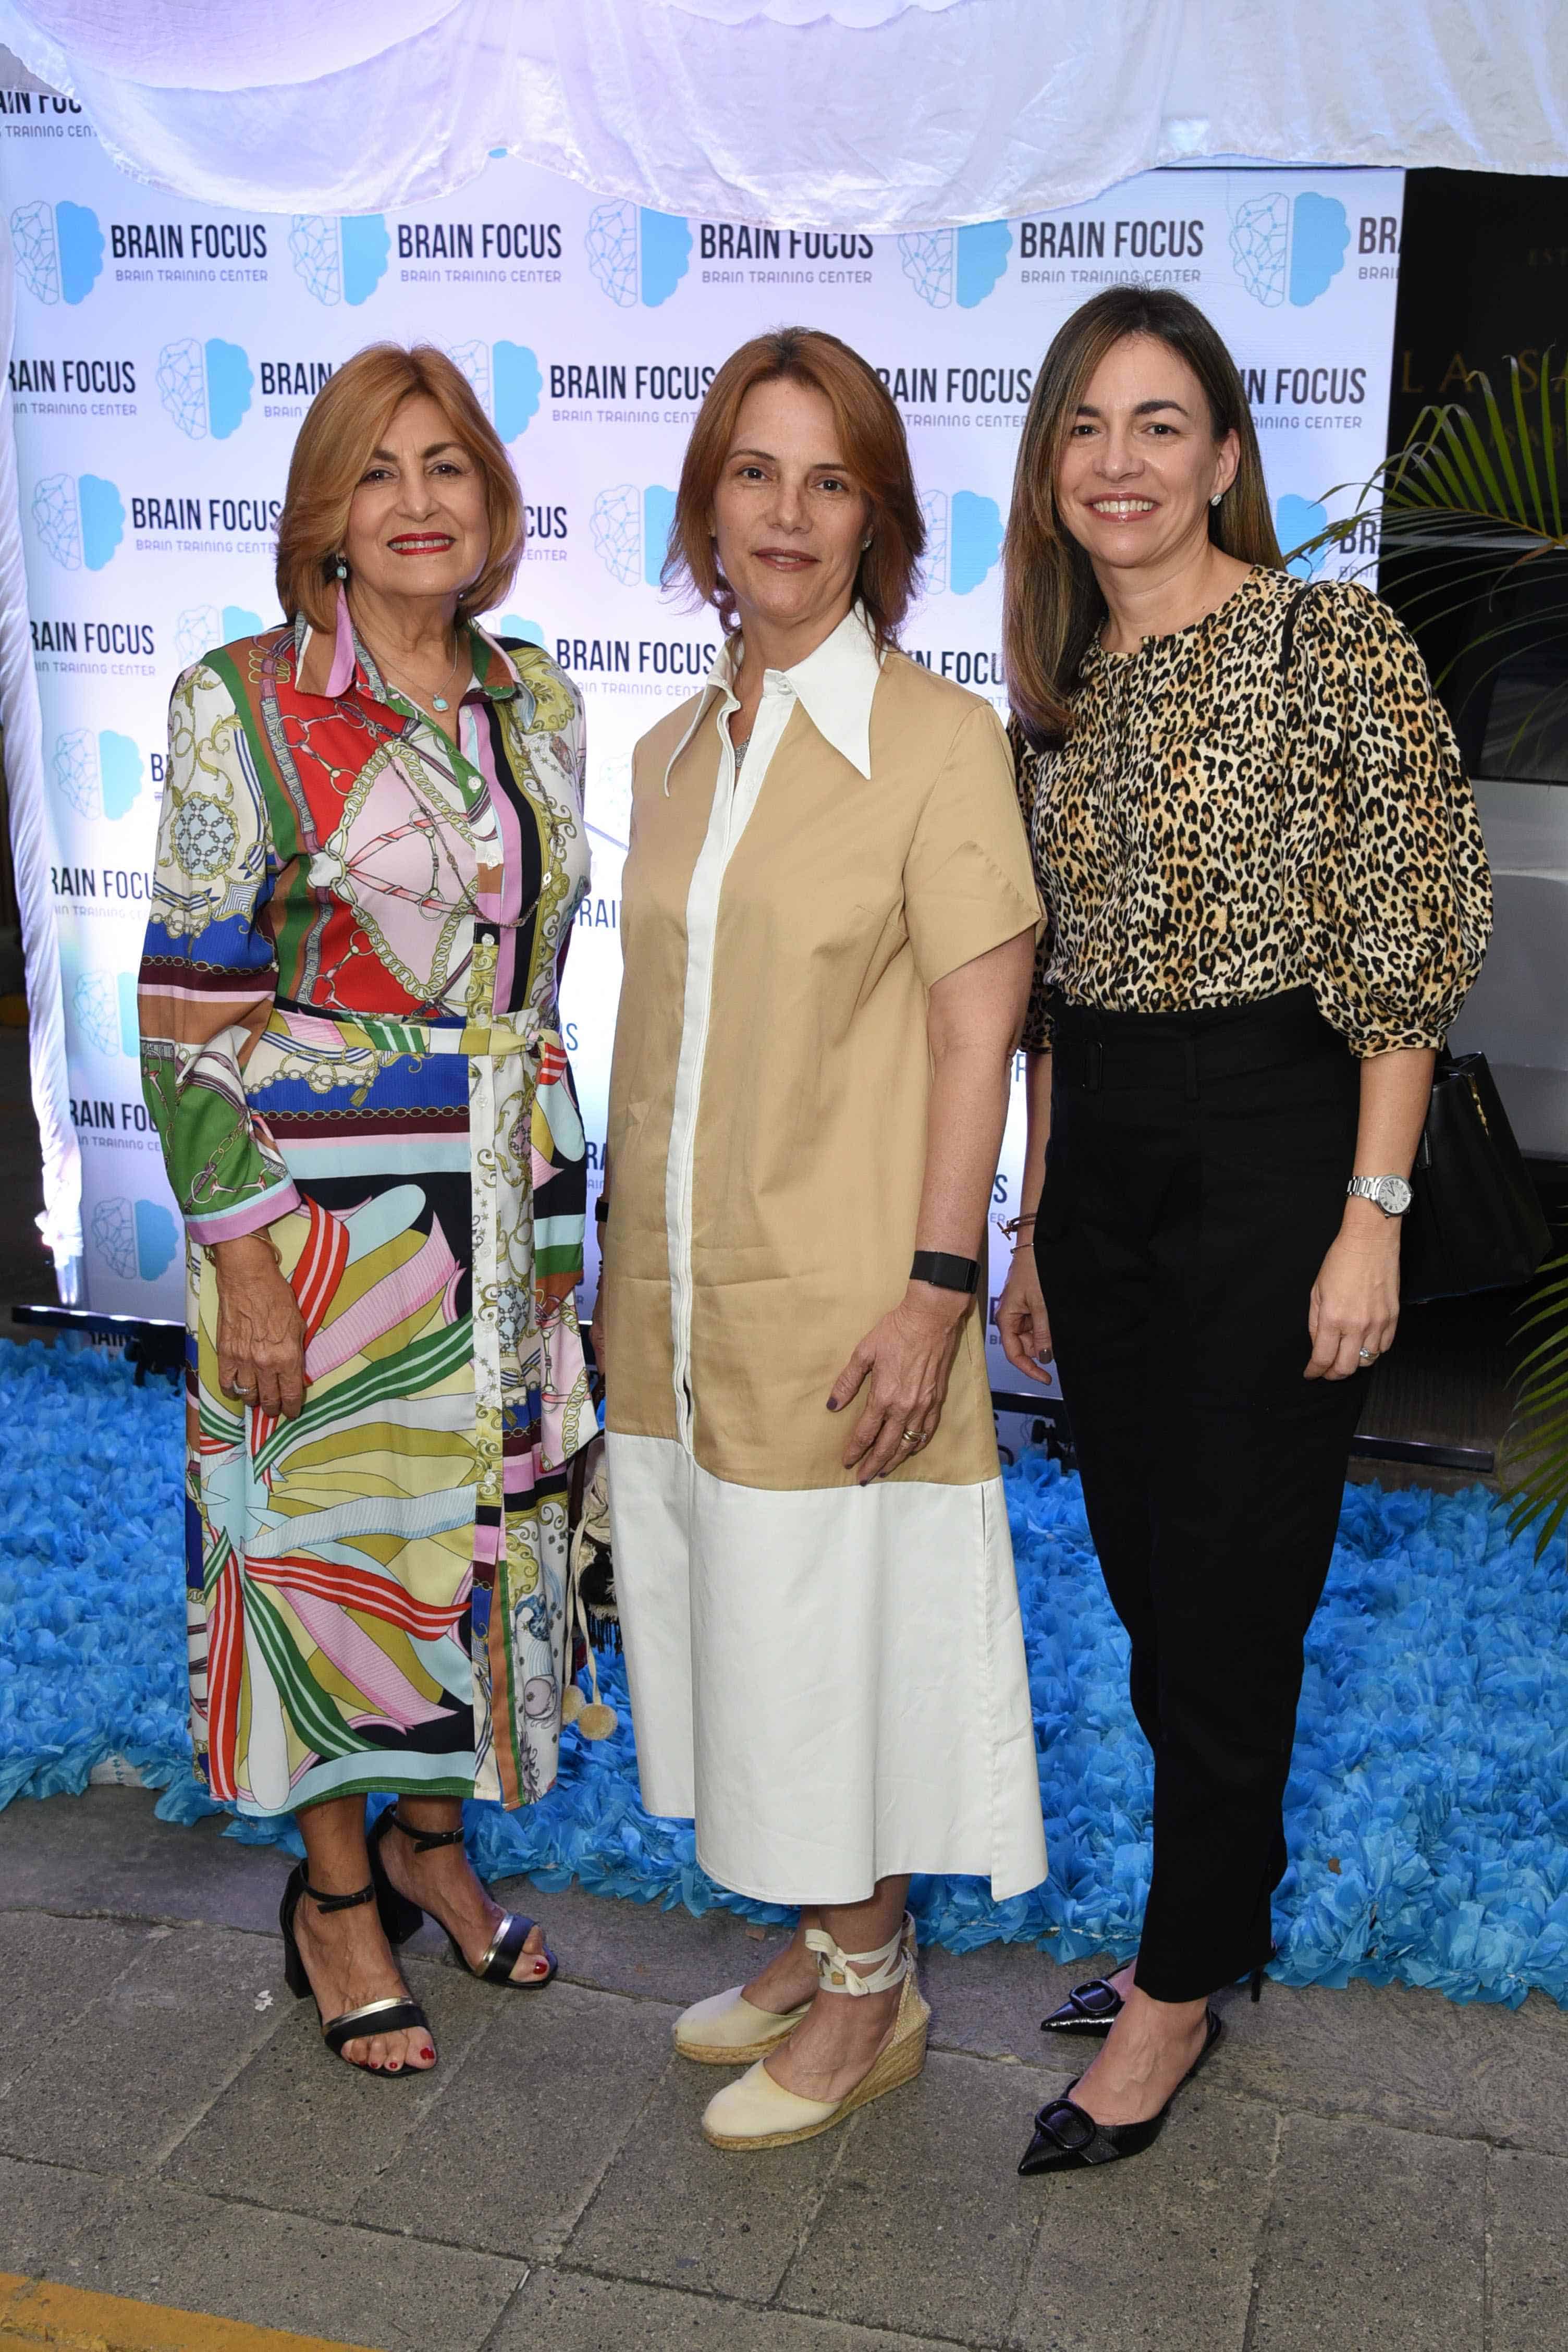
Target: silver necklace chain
{"points": [[438, 700]]}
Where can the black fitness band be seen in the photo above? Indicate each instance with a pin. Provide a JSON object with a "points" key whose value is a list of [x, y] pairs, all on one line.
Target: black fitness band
{"points": [[943, 1271]]}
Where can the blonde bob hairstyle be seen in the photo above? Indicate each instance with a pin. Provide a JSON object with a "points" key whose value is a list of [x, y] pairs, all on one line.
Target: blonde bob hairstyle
{"points": [[1051, 606], [875, 453], [344, 425]]}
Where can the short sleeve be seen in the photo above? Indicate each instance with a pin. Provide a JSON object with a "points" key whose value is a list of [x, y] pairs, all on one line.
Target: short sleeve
{"points": [[1386, 855], [1037, 1032], [969, 876]]}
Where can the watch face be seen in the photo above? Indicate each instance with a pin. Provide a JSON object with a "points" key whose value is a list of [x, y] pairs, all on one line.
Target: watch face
{"points": [[1394, 1195]]}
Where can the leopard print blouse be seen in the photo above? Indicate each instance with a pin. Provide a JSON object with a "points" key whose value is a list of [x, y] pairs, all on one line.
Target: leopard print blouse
{"points": [[1213, 833]]}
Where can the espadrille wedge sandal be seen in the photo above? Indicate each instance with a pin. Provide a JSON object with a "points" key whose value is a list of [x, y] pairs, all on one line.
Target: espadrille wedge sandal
{"points": [[758, 2112]]}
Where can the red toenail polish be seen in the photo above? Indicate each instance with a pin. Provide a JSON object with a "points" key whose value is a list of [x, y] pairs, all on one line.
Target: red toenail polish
{"points": [[428, 2055]]}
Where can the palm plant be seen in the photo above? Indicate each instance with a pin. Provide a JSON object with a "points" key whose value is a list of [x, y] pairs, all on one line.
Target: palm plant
{"points": [[1472, 508], [1538, 1454]]}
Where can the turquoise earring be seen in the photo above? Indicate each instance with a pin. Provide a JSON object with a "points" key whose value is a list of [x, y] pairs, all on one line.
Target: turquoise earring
{"points": [[343, 569]]}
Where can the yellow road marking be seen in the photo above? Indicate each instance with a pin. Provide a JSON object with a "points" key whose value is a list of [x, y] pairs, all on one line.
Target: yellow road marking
{"points": [[34, 2311]]}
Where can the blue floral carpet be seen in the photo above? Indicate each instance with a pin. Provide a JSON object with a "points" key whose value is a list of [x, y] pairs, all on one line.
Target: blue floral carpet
{"points": [[1427, 1810]]}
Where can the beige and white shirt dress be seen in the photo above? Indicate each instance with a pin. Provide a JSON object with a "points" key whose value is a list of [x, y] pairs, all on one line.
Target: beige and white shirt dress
{"points": [[829, 1677]]}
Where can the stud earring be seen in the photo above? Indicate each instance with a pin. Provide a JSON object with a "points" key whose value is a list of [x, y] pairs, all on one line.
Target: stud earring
{"points": [[343, 569], [1216, 498], [865, 543]]}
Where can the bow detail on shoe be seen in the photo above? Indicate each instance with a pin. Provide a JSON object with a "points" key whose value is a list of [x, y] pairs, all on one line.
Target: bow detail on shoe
{"points": [[859, 1973], [1093, 2006]]}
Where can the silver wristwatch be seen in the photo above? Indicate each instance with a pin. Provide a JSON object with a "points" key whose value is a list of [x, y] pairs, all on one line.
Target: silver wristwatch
{"points": [[1391, 1193]]}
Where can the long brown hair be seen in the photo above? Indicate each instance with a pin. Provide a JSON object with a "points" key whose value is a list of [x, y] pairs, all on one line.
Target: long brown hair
{"points": [[1051, 604], [342, 425], [875, 453]]}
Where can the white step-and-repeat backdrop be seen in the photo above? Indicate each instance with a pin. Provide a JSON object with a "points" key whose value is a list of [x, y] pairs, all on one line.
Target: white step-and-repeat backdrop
{"points": [[165, 353]]}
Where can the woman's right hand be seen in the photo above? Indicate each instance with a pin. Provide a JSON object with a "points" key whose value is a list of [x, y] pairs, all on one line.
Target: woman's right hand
{"points": [[1021, 1322], [261, 1331]]}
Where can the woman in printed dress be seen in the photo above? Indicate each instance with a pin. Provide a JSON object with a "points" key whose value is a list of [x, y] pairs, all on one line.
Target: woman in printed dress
{"points": [[371, 852]]}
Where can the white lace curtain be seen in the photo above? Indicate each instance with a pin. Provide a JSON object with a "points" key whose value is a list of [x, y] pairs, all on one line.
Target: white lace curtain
{"points": [[871, 114]]}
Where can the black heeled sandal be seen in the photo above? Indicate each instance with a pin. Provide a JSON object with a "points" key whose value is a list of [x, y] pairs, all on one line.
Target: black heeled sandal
{"points": [[394, 2014], [1094, 2006], [1066, 2139], [400, 1916]]}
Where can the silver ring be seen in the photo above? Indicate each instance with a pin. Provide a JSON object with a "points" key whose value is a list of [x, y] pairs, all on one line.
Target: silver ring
{"points": [[1368, 1355], [912, 1437]]}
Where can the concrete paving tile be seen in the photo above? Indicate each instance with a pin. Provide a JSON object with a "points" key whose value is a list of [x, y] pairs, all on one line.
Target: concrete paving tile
{"points": [[572, 2312], [279, 2133], [925, 2224], [147, 2058], [990, 2002], [320, 2278], [1528, 2230], [105, 1851], [44, 2210], [1155, 2255], [1374, 2238], [510, 2157], [1401, 2056], [635, 1947], [675, 2211], [52, 1970]]}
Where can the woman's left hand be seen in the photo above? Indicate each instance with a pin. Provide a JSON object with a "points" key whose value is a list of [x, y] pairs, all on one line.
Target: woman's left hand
{"points": [[908, 1359], [1355, 1309]]}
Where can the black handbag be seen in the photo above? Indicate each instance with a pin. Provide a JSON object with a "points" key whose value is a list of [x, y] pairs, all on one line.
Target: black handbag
{"points": [[1475, 1222]]}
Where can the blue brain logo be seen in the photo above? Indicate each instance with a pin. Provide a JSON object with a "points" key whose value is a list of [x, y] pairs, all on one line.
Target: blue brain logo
{"points": [[79, 519], [963, 541], [200, 627], [630, 531], [512, 624], [205, 387], [97, 776], [635, 254], [518, 385], [59, 250], [507, 382], [1289, 251], [105, 1007], [339, 260], [135, 1237], [120, 769], [963, 265], [1295, 520]]}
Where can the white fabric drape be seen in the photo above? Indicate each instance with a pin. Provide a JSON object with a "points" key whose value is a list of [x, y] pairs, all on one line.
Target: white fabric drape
{"points": [[60, 1223], [872, 114]]}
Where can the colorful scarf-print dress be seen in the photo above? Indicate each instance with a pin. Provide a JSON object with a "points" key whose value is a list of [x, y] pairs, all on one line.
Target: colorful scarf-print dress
{"points": [[351, 1041]]}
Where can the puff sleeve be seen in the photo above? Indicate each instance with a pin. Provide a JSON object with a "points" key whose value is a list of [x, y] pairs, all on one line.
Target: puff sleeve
{"points": [[1384, 862], [209, 974]]}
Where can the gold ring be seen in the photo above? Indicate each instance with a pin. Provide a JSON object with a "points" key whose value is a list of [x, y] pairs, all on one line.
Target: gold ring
{"points": [[912, 1437]]}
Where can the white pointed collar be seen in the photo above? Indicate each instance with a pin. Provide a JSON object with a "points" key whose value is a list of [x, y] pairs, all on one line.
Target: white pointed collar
{"points": [[837, 685]]}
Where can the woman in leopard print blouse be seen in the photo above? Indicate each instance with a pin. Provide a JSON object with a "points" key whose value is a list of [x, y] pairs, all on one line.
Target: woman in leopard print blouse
{"points": [[1267, 897]]}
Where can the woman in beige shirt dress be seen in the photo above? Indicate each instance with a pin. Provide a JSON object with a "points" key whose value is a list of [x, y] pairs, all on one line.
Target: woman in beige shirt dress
{"points": [[829, 924]]}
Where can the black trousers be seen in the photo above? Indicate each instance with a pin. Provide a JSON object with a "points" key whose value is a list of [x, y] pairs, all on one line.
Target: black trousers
{"points": [[1194, 1180]]}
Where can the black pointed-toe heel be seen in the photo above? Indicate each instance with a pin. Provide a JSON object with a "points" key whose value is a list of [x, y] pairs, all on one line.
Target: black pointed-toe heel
{"points": [[1091, 2008], [400, 1916], [1066, 2139], [396, 2013]]}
